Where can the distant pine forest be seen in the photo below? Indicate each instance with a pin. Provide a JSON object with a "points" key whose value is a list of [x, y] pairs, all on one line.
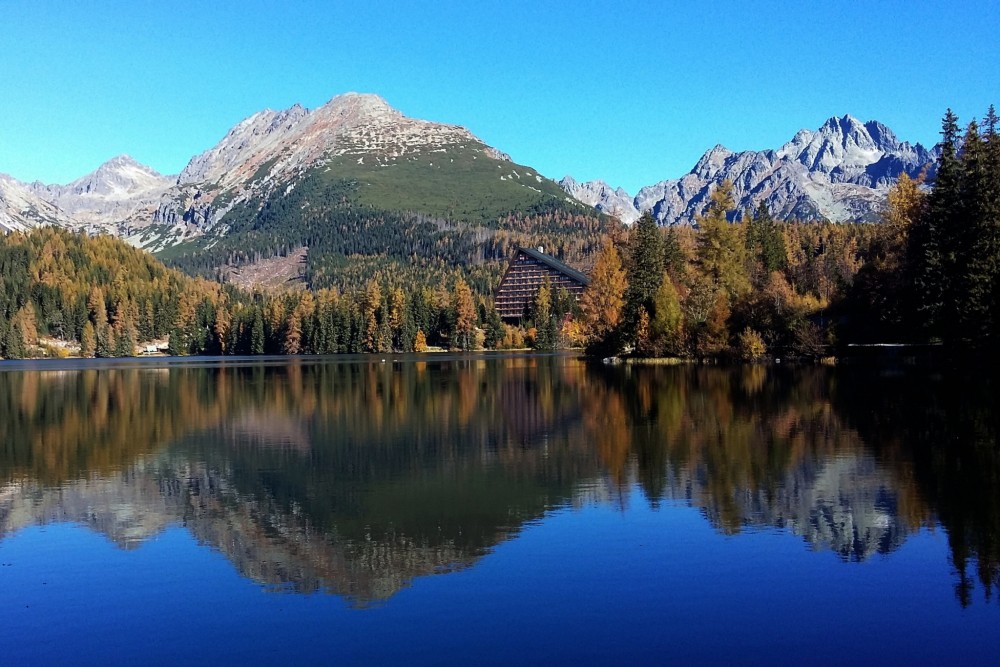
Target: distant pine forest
{"points": [[738, 285]]}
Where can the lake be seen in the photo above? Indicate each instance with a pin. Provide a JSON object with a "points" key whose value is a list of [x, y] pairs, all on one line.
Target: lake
{"points": [[495, 509]]}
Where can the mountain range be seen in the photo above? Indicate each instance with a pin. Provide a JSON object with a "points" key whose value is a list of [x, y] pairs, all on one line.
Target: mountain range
{"points": [[840, 173], [358, 148], [261, 156]]}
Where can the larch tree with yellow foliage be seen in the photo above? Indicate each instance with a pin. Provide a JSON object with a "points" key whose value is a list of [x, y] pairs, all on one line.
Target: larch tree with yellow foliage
{"points": [[603, 301]]}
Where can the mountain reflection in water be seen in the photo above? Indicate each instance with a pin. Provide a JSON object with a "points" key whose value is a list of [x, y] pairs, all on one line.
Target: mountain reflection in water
{"points": [[354, 477]]}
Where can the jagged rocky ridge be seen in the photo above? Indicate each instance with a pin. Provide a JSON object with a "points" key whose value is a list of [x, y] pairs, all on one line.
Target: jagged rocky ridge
{"points": [[262, 155], [840, 172]]}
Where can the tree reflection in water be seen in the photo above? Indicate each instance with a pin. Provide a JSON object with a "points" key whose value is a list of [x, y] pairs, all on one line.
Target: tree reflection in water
{"points": [[355, 476]]}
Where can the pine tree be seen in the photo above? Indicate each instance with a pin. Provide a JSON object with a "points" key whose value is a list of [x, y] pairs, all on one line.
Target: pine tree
{"points": [[765, 241], [976, 253], [644, 270], [991, 207], [14, 347], [105, 341], [256, 332], [931, 245], [176, 346], [494, 328], [674, 262]]}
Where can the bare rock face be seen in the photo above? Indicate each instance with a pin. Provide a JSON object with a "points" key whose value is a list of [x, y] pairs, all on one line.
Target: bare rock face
{"points": [[840, 172], [267, 152], [22, 209], [258, 134], [261, 154], [612, 201], [119, 193], [273, 145]]}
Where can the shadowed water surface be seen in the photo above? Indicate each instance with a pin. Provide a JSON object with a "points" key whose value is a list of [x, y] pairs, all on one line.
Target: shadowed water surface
{"points": [[495, 509]]}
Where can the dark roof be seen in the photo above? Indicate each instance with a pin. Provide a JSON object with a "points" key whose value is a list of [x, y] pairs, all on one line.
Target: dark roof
{"points": [[551, 261]]}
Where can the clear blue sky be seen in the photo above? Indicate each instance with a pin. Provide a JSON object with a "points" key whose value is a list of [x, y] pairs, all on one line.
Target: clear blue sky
{"points": [[629, 92]]}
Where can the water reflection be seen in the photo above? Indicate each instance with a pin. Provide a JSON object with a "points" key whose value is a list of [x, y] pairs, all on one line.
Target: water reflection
{"points": [[355, 477]]}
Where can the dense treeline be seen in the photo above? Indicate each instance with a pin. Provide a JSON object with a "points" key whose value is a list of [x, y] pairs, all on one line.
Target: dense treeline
{"points": [[739, 284], [100, 293], [747, 288], [929, 273], [69, 294]]}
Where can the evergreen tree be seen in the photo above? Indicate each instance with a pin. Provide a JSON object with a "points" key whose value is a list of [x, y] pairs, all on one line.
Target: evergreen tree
{"points": [[176, 346], [766, 241], [991, 206], [256, 332], [14, 347], [674, 262], [976, 252], [494, 328], [931, 246], [105, 341], [644, 270]]}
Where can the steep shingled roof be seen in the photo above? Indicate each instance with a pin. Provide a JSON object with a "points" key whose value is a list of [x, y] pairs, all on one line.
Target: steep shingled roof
{"points": [[551, 261]]}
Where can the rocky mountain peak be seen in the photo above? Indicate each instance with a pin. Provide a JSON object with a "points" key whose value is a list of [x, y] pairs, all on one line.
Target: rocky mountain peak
{"points": [[612, 201], [839, 142], [359, 105], [883, 137], [119, 176], [253, 135], [712, 162], [840, 171], [295, 139]]}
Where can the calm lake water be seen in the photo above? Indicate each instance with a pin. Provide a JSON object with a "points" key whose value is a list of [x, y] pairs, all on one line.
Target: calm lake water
{"points": [[495, 510]]}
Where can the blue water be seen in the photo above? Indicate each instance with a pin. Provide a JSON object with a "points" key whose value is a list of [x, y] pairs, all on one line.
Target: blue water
{"points": [[593, 585], [596, 574]]}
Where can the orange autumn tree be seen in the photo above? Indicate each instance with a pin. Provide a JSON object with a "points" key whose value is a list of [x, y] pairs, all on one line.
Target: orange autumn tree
{"points": [[603, 301]]}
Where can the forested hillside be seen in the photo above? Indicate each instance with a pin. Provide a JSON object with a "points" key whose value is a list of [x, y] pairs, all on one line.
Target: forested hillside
{"points": [[928, 273], [409, 223], [65, 293]]}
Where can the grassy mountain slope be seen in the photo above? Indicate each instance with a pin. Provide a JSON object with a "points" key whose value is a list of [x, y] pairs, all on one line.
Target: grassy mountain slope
{"points": [[417, 217]]}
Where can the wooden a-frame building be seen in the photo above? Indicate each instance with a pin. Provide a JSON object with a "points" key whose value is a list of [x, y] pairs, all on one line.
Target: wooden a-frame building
{"points": [[525, 274]]}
